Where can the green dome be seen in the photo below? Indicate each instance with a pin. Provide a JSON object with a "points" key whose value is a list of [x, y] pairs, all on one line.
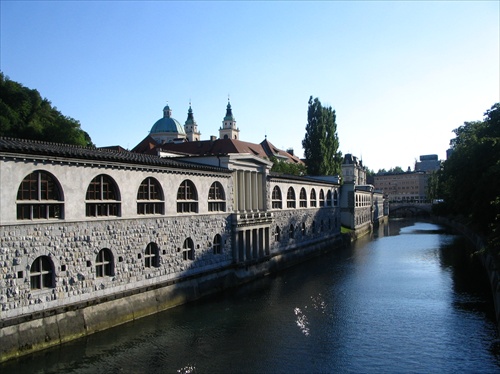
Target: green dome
{"points": [[167, 124]]}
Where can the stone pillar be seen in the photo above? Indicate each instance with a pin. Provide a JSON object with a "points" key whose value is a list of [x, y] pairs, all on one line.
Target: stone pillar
{"points": [[241, 246], [248, 244], [255, 244], [261, 242], [248, 195], [260, 192], [266, 241], [241, 191], [255, 192]]}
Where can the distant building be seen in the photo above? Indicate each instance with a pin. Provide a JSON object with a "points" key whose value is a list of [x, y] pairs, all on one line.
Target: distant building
{"points": [[398, 187], [410, 186], [428, 163]]}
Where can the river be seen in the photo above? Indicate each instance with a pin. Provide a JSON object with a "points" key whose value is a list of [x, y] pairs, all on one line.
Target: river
{"points": [[407, 300]]}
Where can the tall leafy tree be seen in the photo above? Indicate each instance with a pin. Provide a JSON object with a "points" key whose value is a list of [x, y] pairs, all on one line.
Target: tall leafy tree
{"points": [[321, 142], [25, 114], [471, 176]]}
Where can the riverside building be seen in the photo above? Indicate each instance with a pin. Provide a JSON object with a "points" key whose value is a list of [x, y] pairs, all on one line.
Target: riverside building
{"points": [[92, 238]]}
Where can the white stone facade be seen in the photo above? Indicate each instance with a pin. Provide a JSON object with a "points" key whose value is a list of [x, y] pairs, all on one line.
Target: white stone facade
{"points": [[68, 258]]}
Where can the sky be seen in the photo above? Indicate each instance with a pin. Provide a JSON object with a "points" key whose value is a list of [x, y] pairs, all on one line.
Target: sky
{"points": [[400, 75]]}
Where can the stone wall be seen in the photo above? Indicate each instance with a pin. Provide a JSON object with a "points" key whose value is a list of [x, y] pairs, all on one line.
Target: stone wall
{"points": [[308, 225], [73, 247]]}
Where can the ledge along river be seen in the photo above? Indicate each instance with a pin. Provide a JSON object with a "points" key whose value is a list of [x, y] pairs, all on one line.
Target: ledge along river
{"points": [[408, 299]]}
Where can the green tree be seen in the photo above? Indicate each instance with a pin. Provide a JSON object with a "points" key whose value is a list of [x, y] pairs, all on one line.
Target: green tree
{"points": [[471, 176], [284, 167], [25, 114], [321, 141], [397, 169]]}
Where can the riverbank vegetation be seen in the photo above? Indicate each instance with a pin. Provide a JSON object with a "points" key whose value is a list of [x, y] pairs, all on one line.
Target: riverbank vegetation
{"points": [[468, 184]]}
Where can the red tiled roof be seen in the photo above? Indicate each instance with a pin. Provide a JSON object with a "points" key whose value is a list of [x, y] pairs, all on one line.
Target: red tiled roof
{"points": [[226, 146]]}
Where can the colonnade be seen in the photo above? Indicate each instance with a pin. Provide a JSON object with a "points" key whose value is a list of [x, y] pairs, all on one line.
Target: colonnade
{"points": [[251, 243], [249, 191]]}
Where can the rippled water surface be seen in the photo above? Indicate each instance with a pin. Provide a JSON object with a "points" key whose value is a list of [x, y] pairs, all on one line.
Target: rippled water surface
{"points": [[407, 300]]}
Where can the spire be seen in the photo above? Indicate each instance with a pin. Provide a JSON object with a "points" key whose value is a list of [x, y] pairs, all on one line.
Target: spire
{"points": [[190, 117], [229, 129], [229, 112], [190, 126]]}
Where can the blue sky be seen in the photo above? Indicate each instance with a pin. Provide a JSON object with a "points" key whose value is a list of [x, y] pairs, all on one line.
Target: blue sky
{"points": [[400, 75]]}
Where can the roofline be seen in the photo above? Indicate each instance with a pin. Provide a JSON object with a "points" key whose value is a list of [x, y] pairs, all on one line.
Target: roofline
{"points": [[15, 146]]}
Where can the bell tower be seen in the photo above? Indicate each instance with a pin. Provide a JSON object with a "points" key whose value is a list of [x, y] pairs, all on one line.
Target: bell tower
{"points": [[229, 129], [191, 127]]}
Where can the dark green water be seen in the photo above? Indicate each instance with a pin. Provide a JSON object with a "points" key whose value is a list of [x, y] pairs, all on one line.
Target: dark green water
{"points": [[408, 300]]}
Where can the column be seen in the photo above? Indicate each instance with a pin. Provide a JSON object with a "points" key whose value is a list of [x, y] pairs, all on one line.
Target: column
{"points": [[248, 195], [241, 190], [260, 191], [255, 196], [266, 241], [261, 242]]}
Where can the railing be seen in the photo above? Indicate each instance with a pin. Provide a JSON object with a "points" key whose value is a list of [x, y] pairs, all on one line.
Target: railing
{"points": [[252, 218]]}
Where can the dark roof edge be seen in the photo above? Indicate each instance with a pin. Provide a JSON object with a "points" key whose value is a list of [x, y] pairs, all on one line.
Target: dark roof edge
{"points": [[44, 148]]}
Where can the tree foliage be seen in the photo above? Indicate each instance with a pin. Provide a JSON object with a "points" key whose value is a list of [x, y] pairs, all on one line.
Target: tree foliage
{"points": [[25, 114], [470, 180], [397, 169], [321, 141], [284, 167]]}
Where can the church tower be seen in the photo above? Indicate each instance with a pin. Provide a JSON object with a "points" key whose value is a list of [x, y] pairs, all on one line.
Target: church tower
{"points": [[191, 127], [229, 129]]}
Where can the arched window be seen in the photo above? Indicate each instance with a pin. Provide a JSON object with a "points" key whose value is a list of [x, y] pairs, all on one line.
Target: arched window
{"points": [[290, 198], [39, 197], [291, 232], [42, 273], [276, 198], [329, 198], [277, 234], [187, 198], [335, 198], [188, 249], [216, 198], [150, 197], [151, 256], [303, 198], [102, 197], [321, 198], [217, 245], [313, 198], [104, 263]]}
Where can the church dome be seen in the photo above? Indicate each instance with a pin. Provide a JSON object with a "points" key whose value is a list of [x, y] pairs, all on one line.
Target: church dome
{"points": [[167, 124]]}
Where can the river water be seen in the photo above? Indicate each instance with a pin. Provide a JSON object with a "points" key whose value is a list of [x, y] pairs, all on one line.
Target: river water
{"points": [[408, 300]]}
